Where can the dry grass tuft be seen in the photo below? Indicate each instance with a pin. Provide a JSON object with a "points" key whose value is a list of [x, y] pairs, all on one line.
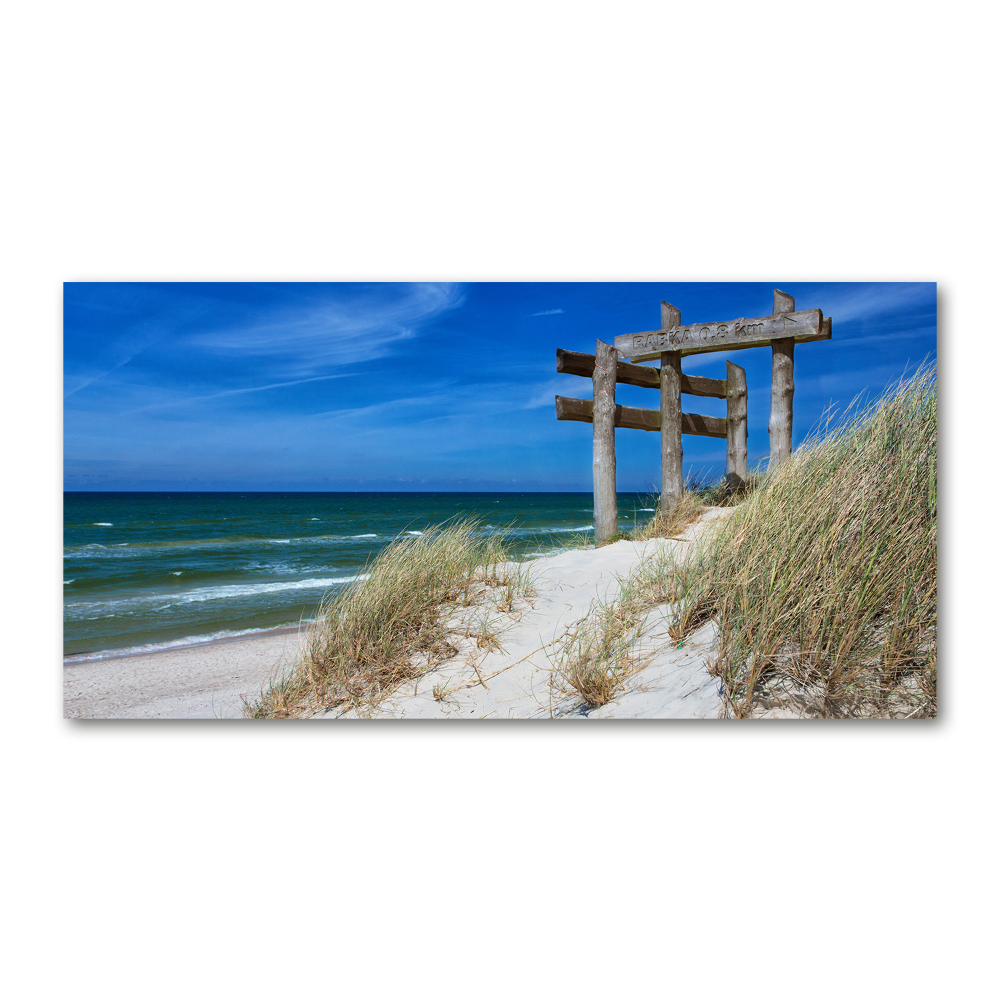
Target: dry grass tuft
{"points": [[389, 628], [597, 659], [684, 513], [824, 582]]}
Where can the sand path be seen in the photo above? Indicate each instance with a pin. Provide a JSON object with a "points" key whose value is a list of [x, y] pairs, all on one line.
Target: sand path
{"points": [[514, 683]]}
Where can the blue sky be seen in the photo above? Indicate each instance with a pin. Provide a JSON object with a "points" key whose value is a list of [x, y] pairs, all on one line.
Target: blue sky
{"points": [[422, 386]]}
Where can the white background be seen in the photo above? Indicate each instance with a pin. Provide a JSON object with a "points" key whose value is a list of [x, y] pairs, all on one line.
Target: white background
{"points": [[558, 141]]}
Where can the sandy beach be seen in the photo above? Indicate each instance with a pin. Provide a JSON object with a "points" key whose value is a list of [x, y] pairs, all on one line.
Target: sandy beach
{"points": [[510, 682], [203, 681]]}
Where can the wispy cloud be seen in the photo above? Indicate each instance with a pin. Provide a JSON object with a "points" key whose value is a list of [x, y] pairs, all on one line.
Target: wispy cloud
{"points": [[198, 339], [299, 339], [548, 312], [119, 349], [876, 299], [189, 400], [545, 393], [427, 400]]}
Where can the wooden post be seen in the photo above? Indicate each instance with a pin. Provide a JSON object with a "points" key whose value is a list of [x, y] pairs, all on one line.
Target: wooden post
{"points": [[779, 425], [605, 485], [671, 449], [736, 426]]}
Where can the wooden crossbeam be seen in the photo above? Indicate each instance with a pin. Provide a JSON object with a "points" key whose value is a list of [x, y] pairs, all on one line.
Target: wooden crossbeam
{"points": [[639, 419], [702, 338], [577, 363]]}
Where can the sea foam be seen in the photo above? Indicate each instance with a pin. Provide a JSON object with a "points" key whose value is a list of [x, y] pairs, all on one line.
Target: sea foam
{"points": [[201, 594], [189, 640]]}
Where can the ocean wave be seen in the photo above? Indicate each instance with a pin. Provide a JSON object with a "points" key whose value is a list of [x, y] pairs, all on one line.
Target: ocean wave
{"points": [[648, 510], [96, 549], [102, 524], [77, 609], [135, 550], [556, 531], [247, 589], [66, 582], [190, 640], [535, 532]]}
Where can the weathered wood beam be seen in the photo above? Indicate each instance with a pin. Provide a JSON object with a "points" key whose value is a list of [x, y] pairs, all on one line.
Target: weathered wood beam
{"points": [[577, 363], [638, 418], [702, 338], [698, 385], [779, 424], [736, 426], [671, 429], [603, 407], [697, 423]]}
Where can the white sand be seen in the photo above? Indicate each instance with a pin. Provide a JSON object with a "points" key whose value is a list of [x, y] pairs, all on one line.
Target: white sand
{"points": [[207, 681], [191, 682]]}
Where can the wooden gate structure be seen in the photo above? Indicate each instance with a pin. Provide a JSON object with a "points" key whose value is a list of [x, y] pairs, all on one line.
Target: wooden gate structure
{"points": [[782, 330]]}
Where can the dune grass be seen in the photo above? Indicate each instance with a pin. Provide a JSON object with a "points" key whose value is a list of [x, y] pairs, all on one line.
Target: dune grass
{"points": [[824, 581], [666, 524], [598, 657], [596, 660], [391, 627], [696, 497]]}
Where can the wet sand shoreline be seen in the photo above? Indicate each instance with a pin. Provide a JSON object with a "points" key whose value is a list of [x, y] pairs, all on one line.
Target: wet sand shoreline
{"points": [[103, 655], [201, 681]]}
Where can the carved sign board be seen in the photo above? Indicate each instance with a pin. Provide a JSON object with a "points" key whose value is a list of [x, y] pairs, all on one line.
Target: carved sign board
{"points": [[702, 338]]}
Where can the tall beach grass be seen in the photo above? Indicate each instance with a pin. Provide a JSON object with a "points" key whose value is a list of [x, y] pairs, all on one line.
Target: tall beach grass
{"points": [[604, 650], [824, 581], [390, 627]]}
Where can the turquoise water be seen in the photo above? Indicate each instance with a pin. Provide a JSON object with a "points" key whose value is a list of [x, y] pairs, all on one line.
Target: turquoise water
{"points": [[150, 570]]}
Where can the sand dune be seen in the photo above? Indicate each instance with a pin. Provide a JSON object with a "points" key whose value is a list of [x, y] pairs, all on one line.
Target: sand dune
{"points": [[515, 682], [512, 682]]}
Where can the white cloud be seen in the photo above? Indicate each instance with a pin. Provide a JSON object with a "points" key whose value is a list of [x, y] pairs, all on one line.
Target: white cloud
{"points": [[544, 393], [549, 312], [290, 342], [871, 300], [120, 348], [188, 400], [299, 340]]}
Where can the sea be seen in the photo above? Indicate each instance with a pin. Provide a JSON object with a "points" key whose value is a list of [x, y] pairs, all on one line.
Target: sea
{"points": [[149, 571]]}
